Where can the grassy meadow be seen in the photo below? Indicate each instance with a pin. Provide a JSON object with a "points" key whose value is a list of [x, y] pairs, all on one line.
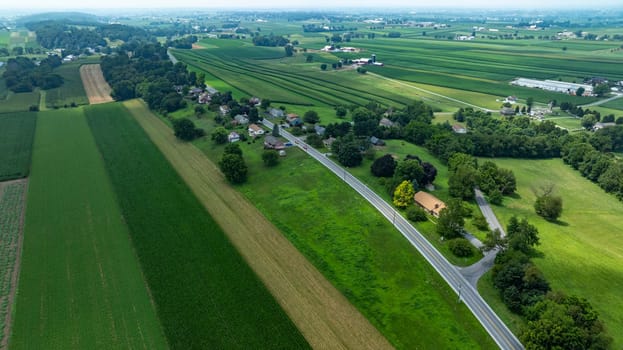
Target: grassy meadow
{"points": [[357, 250], [205, 293], [18, 130], [582, 253], [80, 283], [19, 102]]}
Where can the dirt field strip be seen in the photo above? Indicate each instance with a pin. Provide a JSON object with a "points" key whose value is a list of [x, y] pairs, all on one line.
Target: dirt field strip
{"points": [[96, 87], [321, 312], [10, 297]]}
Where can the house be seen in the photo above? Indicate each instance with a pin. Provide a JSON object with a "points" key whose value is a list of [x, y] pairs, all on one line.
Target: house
{"points": [[376, 141], [430, 203], [204, 98], [241, 119], [386, 123], [233, 137], [255, 130], [507, 111], [294, 119], [210, 90], [224, 109], [511, 99], [276, 113], [459, 129], [599, 126], [271, 142], [319, 130], [195, 91], [255, 101], [328, 142]]}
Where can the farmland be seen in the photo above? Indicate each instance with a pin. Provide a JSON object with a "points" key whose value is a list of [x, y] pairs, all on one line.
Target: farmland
{"points": [[582, 254], [12, 198], [317, 308], [97, 89], [18, 102], [80, 283], [71, 91], [357, 250], [18, 130], [205, 293]]}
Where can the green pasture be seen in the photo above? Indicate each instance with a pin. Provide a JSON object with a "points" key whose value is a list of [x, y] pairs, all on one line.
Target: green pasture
{"points": [[16, 137], [357, 250], [72, 89], [205, 293], [615, 104], [80, 283], [18, 102], [582, 253], [570, 123]]}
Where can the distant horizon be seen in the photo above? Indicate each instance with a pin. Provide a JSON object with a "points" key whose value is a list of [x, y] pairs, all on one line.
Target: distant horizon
{"points": [[38, 6]]}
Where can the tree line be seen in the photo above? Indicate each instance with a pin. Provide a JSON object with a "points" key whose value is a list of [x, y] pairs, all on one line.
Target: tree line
{"points": [[23, 75]]}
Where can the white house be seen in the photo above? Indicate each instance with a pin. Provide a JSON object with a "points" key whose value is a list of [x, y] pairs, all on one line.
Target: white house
{"points": [[255, 130], [233, 137]]}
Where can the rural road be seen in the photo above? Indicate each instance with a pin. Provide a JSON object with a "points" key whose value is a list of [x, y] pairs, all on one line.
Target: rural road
{"points": [[616, 96], [434, 93], [466, 292], [473, 272]]}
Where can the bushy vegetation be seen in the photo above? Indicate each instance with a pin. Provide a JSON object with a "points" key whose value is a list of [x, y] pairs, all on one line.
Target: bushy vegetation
{"points": [[22, 74], [205, 293], [18, 131]]}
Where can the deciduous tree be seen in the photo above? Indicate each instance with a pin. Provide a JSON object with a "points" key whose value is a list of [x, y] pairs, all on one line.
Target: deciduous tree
{"points": [[403, 195]]}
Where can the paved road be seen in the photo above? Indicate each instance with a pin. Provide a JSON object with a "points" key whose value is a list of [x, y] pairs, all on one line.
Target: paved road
{"points": [[487, 212], [467, 293]]}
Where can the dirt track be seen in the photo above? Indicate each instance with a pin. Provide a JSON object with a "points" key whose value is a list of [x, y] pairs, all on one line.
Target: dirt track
{"points": [[322, 314], [96, 87]]}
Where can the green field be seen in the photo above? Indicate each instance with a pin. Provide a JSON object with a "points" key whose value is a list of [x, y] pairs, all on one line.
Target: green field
{"points": [[583, 253], [616, 104], [72, 89], [358, 251], [205, 293], [18, 130], [11, 209], [80, 283], [19, 102]]}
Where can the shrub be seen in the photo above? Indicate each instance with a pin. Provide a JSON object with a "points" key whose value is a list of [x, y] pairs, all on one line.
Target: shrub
{"points": [[416, 214], [460, 247]]}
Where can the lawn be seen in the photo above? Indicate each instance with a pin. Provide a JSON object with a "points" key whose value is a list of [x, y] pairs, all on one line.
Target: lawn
{"points": [[205, 293], [72, 89], [358, 250], [16, 136], [80, 282], [582, 254], [12, 204]]}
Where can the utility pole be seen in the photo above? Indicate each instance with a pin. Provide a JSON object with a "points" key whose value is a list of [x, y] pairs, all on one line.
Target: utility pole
{"points": [[460, 286]]}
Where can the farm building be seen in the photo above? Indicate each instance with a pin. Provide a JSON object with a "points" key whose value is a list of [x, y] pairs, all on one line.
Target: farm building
{"points": [[223, 109], [319, 130], [241, 119], [553, 85], [459, 129], [328, 142], [376, 141], [430, 203], [599, 126], [386, 123], [276, 113]]}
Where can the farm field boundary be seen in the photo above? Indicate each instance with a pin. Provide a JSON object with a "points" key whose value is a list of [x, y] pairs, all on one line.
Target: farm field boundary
{"points": [[18, 130], [205, 294], [323, 315], [97, 89], [12, 208], [80, 285]]}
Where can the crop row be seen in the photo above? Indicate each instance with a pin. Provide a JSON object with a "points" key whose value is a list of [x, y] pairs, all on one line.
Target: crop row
{"points": [[16, 144], [11, 207], [205, 294]]}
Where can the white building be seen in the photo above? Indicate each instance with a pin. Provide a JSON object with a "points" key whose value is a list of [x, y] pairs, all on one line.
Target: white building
{"points": [[553, 85]]}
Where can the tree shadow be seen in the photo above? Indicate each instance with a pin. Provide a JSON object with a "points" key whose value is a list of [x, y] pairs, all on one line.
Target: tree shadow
{"points": [[514, 195], [536, 254], [558, 222]]}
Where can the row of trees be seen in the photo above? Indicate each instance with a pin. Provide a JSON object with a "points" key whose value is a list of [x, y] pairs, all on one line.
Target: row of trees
{"points": [[466, 174], [270, 40]]}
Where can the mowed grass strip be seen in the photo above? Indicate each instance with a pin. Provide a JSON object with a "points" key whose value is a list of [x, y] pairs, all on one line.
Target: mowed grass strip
{"points": [[16, 136], [206, 295], [80, 284], [324, 316]]}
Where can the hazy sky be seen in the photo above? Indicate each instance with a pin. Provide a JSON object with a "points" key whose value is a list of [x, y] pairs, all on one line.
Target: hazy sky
{"points": [[38, 5]]}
